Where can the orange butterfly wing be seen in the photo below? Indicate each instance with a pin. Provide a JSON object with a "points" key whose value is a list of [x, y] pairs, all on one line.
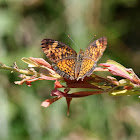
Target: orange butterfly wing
{"points": [[62, 56], [91, 55]]}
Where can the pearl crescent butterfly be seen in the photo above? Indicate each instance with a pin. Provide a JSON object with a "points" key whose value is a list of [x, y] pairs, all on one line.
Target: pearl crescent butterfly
{"points": [[70, 65]]}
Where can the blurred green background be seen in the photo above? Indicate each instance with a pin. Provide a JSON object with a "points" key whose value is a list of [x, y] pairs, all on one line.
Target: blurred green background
{"points": [[23, 24]]}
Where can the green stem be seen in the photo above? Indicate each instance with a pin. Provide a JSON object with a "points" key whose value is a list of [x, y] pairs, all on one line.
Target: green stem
{"points": [[12, 69]]}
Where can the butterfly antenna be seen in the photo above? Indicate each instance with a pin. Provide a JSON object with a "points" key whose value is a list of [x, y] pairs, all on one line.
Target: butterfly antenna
{"points": [[72, 41], [92, 38]]}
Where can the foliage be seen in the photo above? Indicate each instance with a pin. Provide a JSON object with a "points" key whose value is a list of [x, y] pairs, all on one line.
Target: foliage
{"points": [[100, 85]]}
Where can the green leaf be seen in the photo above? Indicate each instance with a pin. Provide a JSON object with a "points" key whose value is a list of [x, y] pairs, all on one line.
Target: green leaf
{"points": [[125, 92]]}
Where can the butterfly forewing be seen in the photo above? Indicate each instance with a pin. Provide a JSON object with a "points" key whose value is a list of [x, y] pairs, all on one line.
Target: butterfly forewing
{"points": [[95, 50], [56, 50]]}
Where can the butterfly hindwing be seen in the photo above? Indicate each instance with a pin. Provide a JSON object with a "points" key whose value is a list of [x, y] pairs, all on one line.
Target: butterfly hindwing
{"points": [[66, 68]]}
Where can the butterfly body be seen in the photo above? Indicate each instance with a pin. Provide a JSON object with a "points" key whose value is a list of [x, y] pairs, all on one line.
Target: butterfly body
{"points": [[70, 65], [80, 56]]}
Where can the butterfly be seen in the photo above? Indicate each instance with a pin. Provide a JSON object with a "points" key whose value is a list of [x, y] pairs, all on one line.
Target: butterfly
{"points": [[70, 65]]}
